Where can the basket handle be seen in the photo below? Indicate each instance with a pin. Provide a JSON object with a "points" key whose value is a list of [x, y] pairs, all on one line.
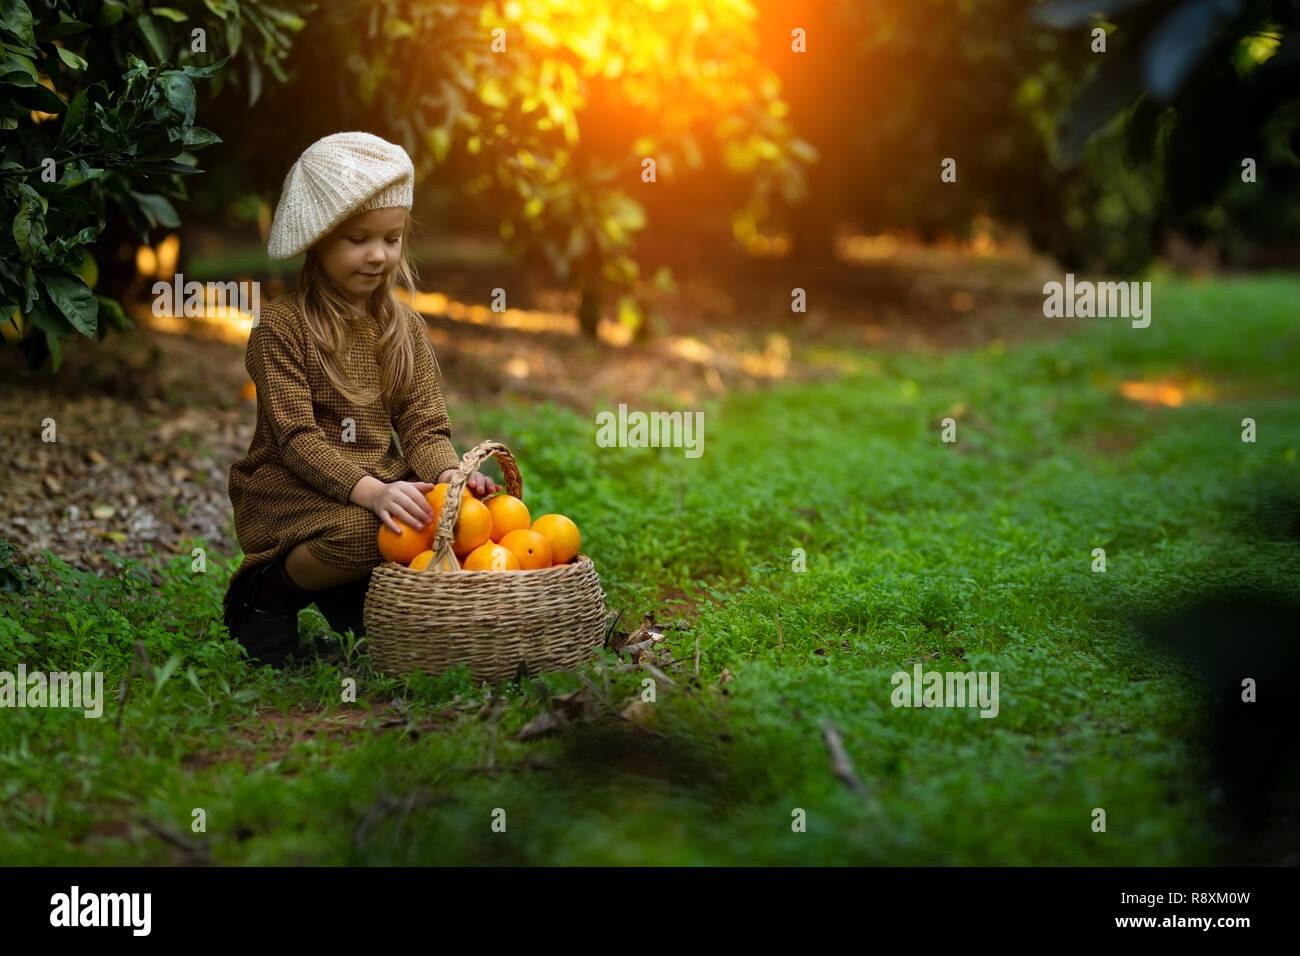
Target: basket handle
{"points": [[455, 488]]}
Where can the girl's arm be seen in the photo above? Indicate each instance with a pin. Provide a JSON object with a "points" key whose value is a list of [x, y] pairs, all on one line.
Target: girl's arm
{"points": [[275, 361], [420, 416]]}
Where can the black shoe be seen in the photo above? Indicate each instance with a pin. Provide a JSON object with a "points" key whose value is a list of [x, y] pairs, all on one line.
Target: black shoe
{"points": [[343, 604], [268, 634]]}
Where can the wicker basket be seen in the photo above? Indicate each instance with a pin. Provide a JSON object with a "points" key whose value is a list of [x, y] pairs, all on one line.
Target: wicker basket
{"points": [[497, 622]]}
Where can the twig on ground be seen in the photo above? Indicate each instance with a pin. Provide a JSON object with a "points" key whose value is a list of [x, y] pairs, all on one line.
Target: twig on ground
{"points": [[604, 678], [610, 629], [384, 806], [140, 653], [611, 708], [638, 649], [175, 839], [841, 766], [498, 708], [511, 769], [625, 668], [657, 674], [602, 698]]}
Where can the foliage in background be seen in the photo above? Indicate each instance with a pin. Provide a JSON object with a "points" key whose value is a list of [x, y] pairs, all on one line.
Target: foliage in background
{"points": [[547, 136], [1202, 85], [980, 84], [889, 89], [106, 91]]}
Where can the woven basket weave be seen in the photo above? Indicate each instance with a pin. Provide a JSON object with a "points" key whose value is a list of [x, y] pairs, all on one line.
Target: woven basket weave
{"points": [[494, 621]]}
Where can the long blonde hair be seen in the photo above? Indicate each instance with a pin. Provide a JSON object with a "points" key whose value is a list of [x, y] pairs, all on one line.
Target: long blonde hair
{"points": [[328, 314]]}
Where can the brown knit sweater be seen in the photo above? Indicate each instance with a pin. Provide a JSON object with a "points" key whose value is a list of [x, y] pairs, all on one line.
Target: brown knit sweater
{"points": [[295, 481]]}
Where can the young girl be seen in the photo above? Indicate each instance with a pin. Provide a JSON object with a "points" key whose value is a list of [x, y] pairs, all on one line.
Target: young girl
{"points": [[340, 365]]}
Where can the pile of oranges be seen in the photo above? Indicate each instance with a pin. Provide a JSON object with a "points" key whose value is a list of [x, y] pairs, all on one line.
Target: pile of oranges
{"points": [[495, 534]]}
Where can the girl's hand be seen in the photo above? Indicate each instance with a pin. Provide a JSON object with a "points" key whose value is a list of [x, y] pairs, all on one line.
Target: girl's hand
{"points": [[479, 484], [405, 501]]}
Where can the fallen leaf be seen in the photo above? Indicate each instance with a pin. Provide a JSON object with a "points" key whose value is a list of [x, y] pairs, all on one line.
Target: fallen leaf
{"points": [[639, 712], [573, 705], [543, 723], [103, 511], [648, 634], [634, 651]]}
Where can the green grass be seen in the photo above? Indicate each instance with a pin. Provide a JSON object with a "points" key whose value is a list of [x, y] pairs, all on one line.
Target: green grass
{"points": [[978, 552]]}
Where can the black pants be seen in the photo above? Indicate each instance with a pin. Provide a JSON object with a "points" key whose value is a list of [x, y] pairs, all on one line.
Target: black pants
{"points": [[342, 605]]}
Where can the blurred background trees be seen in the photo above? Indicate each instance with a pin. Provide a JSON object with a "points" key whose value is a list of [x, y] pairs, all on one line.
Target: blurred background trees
{"points": [[534, 122]]}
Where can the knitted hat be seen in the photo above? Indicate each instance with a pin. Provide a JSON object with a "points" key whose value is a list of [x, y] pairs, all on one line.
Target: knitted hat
{"points": [[334, 178]]}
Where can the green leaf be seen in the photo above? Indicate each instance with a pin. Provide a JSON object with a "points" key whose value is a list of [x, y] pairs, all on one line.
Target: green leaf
{"points": [[196, 137], [66, 26], [74, 299], [149, 30], [110, 14], [32, 94], [254, 81], [135, 67], [114, 314], [490, 92], [55, 347], [29, 223], [73, 119], [395, 27], [170, 13], [234, 34], [30, 293], [22, 64], [283, 18], [179, 90], [804, 150], [203, 72], [165, 674], [158, 210], [71, 59], [16, 20], [1180, 40], [166, 167]]}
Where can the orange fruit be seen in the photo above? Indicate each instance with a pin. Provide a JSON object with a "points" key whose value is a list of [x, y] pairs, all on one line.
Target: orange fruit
{"points": [[473, 526], [421, 561], [490, 557], [403, 547], [437, 494], [563, 534], [532, 549], [508, 514]]}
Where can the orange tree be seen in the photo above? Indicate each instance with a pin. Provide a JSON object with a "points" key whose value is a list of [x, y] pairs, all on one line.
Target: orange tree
{"points": [[545, 113], [97, 130]]}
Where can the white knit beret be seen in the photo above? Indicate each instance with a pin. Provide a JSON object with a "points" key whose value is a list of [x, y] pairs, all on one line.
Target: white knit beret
{"points": [[334, 178]]}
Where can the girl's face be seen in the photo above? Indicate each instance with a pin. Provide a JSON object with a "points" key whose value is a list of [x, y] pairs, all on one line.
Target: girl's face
{"points": [[359, 254]]}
